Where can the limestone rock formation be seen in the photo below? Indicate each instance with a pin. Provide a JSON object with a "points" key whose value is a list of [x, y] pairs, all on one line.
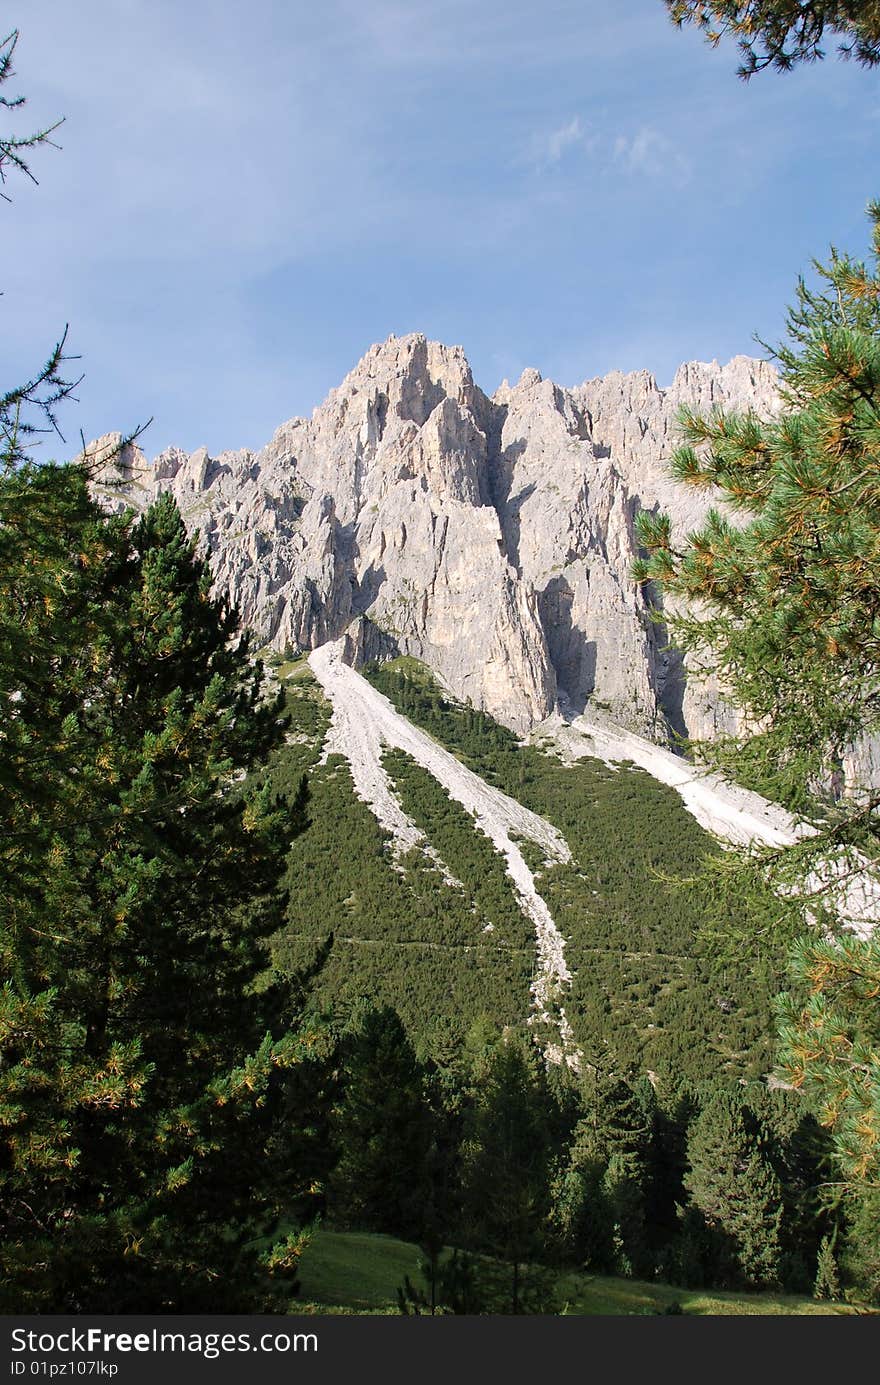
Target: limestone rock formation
{"points": [[490, 537]]}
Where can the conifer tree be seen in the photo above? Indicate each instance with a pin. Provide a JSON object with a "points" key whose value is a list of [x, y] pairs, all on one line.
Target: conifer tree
{"points": [[139, 1070], [732, 1183], [440, 1201], [580, 1224], [788, 614], [860, 1252], [783, 33], [505, 1153], [381, 1129], [626, 1132], [827, 1282], [599, 1194]]}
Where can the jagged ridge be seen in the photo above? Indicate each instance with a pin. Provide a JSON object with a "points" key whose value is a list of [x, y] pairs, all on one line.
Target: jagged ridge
{"points": [[492, 538]]}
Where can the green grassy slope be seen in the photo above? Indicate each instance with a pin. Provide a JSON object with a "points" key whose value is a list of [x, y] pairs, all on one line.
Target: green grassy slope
{"points": [[359, 1273]]}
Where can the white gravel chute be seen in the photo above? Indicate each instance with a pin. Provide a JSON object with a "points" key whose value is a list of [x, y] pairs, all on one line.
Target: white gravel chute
{"points": [[733, 815], [363, 722]]}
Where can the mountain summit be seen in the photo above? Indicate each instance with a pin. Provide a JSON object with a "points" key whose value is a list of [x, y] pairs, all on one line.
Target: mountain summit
{"points": [[491, 538]]}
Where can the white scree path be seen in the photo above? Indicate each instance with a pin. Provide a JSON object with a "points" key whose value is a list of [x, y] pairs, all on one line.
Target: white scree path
{"points": [[357, 738], [363, 722], [732, 814]]}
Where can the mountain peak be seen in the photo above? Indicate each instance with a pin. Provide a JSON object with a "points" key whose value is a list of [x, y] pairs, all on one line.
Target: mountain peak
{"points": [[492, 539], [413, 373]]}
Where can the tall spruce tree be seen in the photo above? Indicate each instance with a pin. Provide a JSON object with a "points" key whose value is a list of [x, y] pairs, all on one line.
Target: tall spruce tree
{"points": [[142, 1078], [600, 1195], [580, 1218], [382, 1130], [827, 1282], [733, 1185], [860, 1255], [506, 1160], [626, 1131]]}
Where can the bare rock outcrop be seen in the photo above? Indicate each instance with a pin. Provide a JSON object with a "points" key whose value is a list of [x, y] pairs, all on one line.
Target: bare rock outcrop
{"points": [[491, 538]]}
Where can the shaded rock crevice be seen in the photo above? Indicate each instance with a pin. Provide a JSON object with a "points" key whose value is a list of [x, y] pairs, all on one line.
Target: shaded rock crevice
{"points": [[492, 537]]}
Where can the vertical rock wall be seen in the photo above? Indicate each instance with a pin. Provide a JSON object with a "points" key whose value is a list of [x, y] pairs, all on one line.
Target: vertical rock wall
{"points": [[491, 538]]}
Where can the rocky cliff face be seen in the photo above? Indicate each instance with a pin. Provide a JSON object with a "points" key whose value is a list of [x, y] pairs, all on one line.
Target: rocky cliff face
{"points": [[491, 538]]}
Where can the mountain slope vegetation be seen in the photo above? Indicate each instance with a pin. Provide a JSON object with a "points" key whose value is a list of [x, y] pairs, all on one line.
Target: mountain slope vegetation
{"points": [[650, 991]]}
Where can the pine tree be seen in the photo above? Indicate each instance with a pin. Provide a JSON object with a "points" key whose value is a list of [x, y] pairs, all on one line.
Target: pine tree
{"points": [[783, 33], [599, 1195], [627, 1136], [733, 1185], [579, 1217], [798, 1148], [506, 1160], [381, 1128], [827, 1283], [439, 1207], [860, 1253], [790, 619], [138, 1068]]}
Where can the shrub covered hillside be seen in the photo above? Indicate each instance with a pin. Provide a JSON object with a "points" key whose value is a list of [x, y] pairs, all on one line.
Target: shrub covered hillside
{"points": [[653, 991], [398, 933]]}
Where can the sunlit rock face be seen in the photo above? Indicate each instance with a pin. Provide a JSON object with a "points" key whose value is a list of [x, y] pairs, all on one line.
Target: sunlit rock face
{"points": [[491, 538]]}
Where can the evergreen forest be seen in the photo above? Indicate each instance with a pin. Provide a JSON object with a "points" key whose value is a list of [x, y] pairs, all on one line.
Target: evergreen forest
{"points": [[250, 1050]]}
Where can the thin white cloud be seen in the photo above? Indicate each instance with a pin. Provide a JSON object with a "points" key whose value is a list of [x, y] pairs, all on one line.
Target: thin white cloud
{"points": [[652, 154], [547, 150], [646, 153], [563, 138]]}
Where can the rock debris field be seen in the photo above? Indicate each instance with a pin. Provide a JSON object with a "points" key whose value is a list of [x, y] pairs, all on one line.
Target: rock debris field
{"points": [[363, 723]]}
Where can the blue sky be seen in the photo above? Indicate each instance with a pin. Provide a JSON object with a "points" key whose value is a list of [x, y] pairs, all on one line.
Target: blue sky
{"points": [[248, 196]]}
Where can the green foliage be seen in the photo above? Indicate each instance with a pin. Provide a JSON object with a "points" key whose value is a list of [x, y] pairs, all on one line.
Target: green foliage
{"points": [[465, 1284], [735, 1188], [623, 1128], [614, 1153], [606, 1181], [137, 1065], [467, 852], [380, 1129], [792, 625], [827, 1282], [506, 1154], [830, 1043], [860, 1256], [651, 990], [783, 33], [398, 931]]}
